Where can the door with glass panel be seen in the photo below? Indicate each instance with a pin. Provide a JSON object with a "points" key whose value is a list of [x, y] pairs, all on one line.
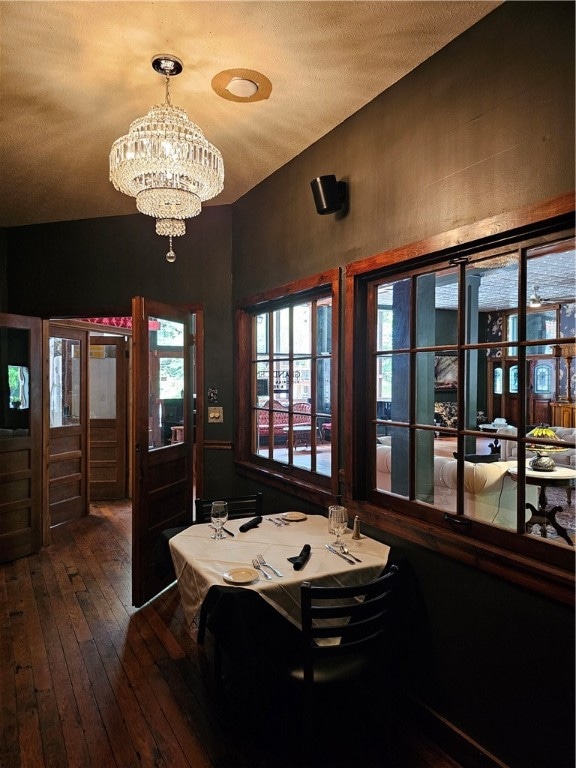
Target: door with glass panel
{"points": [[68, 424], [20, 436], [108, 423], [164, 377]]}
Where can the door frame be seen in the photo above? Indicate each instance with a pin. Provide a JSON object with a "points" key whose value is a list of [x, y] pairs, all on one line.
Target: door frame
{"points": [[110, 453], [72, 451], [163, 476], [21, 474]]}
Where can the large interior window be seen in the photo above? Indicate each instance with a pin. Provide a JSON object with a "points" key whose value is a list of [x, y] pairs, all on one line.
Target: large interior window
{"points": [[289, 382], [465, 356]]}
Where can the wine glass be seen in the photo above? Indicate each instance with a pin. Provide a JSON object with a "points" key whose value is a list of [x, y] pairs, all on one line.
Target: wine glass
{"points": [[219, 515], [338, 522]]}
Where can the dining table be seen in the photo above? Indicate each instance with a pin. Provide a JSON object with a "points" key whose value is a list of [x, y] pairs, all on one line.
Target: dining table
{"points": [[202, 562], [545, 515]]}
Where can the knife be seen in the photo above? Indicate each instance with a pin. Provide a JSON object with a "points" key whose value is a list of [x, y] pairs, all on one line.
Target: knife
{"points": [[340, 554], [223, 529]]}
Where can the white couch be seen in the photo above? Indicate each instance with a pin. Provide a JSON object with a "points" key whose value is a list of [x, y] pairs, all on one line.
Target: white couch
{"points": [[490, 493]]}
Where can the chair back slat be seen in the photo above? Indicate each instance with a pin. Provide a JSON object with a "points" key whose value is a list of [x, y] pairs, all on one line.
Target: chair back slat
{"points": [[238, 507], [339, 621]]}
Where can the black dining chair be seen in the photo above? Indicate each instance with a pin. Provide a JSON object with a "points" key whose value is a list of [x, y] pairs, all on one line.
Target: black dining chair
{"points": [[340, 670], [348, 652], [238, 507], [344, 631]]}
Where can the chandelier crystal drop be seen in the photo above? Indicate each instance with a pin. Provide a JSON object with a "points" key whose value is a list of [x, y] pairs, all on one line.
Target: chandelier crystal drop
{"points": [[166, 162]]}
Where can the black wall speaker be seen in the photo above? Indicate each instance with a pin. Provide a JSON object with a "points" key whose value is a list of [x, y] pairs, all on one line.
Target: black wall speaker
{"points": [[329, 194]]}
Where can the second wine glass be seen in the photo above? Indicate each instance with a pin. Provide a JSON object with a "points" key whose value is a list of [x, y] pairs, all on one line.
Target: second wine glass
{"points": [[218, 515], [338, 522]]}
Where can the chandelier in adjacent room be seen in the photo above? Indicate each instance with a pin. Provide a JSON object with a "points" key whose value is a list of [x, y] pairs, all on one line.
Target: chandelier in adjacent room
{"points": [[166, 163]]}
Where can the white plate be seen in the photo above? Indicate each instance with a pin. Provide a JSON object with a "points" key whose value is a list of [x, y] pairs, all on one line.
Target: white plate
{"points": [[293, 517], [244, 575]]}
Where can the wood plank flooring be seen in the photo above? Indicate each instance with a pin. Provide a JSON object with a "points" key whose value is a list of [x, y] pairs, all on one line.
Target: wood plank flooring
{"points": [[88, 680]]}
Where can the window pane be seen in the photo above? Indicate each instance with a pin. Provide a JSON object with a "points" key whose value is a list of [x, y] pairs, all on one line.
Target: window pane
{"points": [[262, 381], [171, 376], [437, 299], [15, 383], [392, 389], [302, 319], [491, 495], [281, 331], [168, 333], [433, 475], [392, 462], [102, 379], [324, 327], [64, 382], [262, 334], [393, 320], [166, 377], [281, 369], [426, 368]]}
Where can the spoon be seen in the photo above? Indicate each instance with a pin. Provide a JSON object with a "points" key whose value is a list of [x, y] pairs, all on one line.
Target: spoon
{"points": [[347, 552]]}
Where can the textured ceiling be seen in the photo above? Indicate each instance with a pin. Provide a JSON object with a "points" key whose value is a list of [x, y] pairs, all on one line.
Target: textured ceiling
{"points": [[74, 75]]}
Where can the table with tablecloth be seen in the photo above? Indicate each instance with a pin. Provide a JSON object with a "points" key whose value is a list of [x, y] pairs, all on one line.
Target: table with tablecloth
{"points": [[200, 562]]}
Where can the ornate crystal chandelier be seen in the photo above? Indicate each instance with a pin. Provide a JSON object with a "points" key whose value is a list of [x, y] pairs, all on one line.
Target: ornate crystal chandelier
{"points": [[166, 163]]}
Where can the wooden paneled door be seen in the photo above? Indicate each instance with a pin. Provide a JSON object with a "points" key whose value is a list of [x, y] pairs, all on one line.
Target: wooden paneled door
{"points": [[165, 367], [67, 423], [20, 436], [108, 417]]}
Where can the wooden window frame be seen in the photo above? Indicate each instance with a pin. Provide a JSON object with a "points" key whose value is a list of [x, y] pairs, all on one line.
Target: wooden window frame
{"points": [[542, 568], [286, 477]]}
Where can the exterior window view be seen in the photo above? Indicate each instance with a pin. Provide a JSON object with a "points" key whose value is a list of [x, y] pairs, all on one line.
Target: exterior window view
{"points": [[291, 374]]}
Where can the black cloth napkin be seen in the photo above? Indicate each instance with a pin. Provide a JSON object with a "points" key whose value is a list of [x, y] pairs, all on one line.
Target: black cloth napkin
{"points": [[300, 561], [254, 522]]}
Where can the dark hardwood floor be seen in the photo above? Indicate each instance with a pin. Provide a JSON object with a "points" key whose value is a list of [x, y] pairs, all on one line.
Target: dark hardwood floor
{"points": [[88, 680]]}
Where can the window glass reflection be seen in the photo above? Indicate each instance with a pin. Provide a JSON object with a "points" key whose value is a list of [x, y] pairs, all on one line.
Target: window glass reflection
{"points": [[64, 382], [102, 381], [167, 381], [14, 382]]}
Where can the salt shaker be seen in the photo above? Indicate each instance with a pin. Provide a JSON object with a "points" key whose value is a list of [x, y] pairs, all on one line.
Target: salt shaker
{"points": [[356, 531]]}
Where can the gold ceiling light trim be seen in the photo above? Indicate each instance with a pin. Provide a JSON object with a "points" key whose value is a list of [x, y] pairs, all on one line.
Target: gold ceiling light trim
{"points": [[242, 85]]}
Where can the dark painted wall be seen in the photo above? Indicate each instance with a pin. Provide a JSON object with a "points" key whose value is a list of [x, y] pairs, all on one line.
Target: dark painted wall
{"points": [[95, 267], [484, 127]]}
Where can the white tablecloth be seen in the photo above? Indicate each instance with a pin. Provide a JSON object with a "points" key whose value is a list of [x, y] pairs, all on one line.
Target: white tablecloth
{"points": [[200, 561]]}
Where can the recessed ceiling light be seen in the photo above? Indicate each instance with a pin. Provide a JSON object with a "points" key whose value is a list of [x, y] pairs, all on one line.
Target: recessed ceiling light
{"points": [[239, 86], [242, 85]]}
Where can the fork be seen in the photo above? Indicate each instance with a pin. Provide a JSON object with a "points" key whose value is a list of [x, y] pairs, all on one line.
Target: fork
{"points": [[258, 567], [263, 562], [346, 551], [272, 520]]}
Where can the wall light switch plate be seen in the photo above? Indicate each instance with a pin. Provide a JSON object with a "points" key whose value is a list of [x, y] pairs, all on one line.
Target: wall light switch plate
{"points": [[215, 415]]}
